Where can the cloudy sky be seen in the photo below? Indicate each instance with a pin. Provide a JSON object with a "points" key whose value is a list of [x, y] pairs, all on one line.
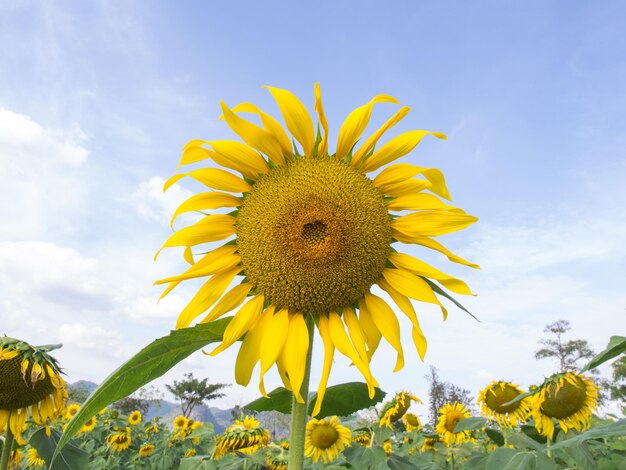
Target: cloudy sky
{"points": [[97, 98]]}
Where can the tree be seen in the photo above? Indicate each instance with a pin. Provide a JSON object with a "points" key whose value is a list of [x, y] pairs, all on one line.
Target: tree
{"points": [[618, 387], [440, 393], [77, 393], [568, 353], [192, 392], [141, 401]]}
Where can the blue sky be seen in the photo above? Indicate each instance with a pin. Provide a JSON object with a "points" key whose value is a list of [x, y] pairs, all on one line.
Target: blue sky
{"points": [[97, 99]]}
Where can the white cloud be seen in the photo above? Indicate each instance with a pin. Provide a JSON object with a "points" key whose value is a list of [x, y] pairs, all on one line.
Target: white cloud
{"points": [[84, 336], [152, 203]]}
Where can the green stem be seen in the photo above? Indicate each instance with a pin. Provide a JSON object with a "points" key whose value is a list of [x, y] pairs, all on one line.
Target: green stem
{"points": [[299, 410], [548, 444], [7, 447]]}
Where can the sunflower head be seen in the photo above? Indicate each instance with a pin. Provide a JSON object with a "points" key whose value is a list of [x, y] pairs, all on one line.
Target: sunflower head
{"points": [[89, 426], [277, 457], [135, 418], [34, 459], [180, 422], [152, 429], [429, 444], [449, 417], [310, 234], [492, 401], [363, 437], [325, 439], [395, 409], [119, 441], [568, 398], [244, 436], [411, 422], [388, 447], [146, 450], [30, 384], [71, 410]]}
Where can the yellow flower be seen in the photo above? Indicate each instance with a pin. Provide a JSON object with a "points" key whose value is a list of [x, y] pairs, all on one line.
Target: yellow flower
{"points": [[120, 441], [34, 459], [429, 444], [411, 422], [245, 436], [325, 439], [492, 401], [180, 422], [89, 425], [190, 452], [151, 430], [362, 437], [30, 385], [388, 447], [146, 450], [569, 398], [311, 236], [15, 458], [450, 415], [71, 411], [135, 418], [396, 408]]}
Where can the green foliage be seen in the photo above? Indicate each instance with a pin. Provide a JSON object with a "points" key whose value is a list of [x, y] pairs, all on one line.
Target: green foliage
{"points": [[71, 457], [616, 346]]}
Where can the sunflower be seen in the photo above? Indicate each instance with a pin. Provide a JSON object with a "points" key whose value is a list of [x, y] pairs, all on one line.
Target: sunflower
{"points": [[71, 411], [492, 401], [244, 436], [89, 426], [30, 384], [411, 422], [151, 430], [450, 415], [362, 437], [429, 444], [146, 450], [15, 458], [34, 459], [135, 418], [119, 441], [277, 456], [395, 409], [325, 439], [569, 398], [190, 452], [180, 422], [388, 447], [311, 236]]}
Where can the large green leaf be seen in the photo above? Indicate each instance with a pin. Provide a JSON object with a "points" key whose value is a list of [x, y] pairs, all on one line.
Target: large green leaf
{"points": [[279, 400], [495, 436], [616, 346], [504, 458], [345, 399], [470, 424], [148, 364], [615, 429], [71, 457]]}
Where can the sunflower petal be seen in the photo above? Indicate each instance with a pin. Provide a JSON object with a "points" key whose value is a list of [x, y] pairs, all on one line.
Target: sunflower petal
{"points": [[418, 202], [319, 108], [329, 352], [193, 153], [240, 155], [296, 117], [372, 334], [211, 263], [204, 201], [404, 188], [272, 345], [369, 144], [431, 223], [231, 300], [396, 148], [241, 323], [387, 323], [435, 245], [356, 335], [209, 229], [412, 286], [249, 353], [271, 125], [213, 178], [355, 124], [295, 352]]}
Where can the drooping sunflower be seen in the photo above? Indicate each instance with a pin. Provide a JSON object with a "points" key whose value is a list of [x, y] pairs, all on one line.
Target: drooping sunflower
{"points": [[246, 436], [450, 415], [363, 437], [395, 409], [277, 456], [146, 450], [310, 235], [325, 439], [135, 418], [429, 444], [34, 459], [411, 422], [89, 426], [30, 385], [119, 441], [492, 401], [568, 398]]}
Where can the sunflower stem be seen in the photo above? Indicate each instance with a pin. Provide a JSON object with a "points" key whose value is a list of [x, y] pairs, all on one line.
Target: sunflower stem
{"points": [[7, 447], [299, 410], [548, 447]]}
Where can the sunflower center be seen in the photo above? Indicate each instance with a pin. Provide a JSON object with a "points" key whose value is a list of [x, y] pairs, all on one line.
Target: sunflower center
{"points": [[452, 419], [566, 400], [498, 396], [324, 436], [313, 235], [16, 390]]}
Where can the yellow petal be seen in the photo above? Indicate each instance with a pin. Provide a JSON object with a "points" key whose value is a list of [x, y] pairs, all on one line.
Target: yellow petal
{"points": [[272, 345], [241, 323], [241, 156], [213, 178], [355, 124], [271, 125], [168, 289], [209, 229], [431, 223], [406, 306], [296, 117], [188, 256], [396, 148], [369, 144], [319, 108], [421, 268], [356, 335], [418, 202], [435, 245], [204, 201], [231, 300], [403, 188], [387, 323], [372, 334], [253, 135], [295, 352], [329, 352], [193, 153], [249, 353], [206, 296], [412, 286], [214, 261]]}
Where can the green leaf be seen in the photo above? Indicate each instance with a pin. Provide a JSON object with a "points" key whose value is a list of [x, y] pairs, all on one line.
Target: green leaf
{"points": [[345, 399], [495, 436], [616, 346], [396, 462], [618, 428], [279, 400], [470, 424], [204, 432], [520, 397], [198, 463], [504, 458], [531, 431], [148, 364], [71, 457], [440, 291]]}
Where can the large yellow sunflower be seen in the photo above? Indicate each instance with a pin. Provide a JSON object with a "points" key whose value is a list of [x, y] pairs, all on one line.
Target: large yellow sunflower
{"points": [[568, 398], [30, 384], [310, 235], [450, 415], [325, 439], [492, 401]]}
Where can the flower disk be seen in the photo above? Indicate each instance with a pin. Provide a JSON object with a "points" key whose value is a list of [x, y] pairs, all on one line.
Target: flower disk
{"points": [[313, 235]]}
